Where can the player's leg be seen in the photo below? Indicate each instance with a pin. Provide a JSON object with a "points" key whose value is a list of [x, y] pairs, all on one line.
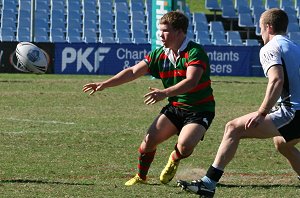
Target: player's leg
{"points": [[289, 151], [160, 130], [188, 138], [234, 132]]}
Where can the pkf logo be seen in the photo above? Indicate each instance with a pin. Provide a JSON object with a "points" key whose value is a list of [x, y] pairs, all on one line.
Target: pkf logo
{"points": [[88, 58]]}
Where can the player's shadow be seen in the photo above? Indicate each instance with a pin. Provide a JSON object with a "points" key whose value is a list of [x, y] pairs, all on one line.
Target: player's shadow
{"points": [[26, 181], [266, 186]]}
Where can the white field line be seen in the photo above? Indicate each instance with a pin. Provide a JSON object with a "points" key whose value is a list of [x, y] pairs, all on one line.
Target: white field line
{"points": [[39, 121]]}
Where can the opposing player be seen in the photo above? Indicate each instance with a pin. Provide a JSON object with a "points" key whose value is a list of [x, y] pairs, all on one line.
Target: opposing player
{"points": [[280, 61], [183, 67]]}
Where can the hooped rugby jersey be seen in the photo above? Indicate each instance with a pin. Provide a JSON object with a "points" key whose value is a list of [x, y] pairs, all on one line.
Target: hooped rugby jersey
{"points": [[171, 70], [280, 50]]}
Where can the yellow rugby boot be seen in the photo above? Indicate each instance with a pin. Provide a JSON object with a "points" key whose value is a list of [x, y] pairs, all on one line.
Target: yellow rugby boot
{"points": [[135, 180], [169, 171]]}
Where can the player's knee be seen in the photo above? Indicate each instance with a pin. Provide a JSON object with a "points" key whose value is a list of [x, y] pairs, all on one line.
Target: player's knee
{"points": [[280, 145], [184, 149], [231, 130]]}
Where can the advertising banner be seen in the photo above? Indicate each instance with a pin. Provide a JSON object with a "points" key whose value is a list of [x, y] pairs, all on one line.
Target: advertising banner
{"points": [[103, 59], [9, 61], [230, 61], [109, 59]]}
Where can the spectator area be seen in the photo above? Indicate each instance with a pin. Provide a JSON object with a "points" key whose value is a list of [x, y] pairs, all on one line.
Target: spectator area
{"points": [[234, 22]]}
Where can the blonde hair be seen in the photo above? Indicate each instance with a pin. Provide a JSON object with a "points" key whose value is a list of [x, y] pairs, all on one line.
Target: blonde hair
{"points": [[276, 18]]}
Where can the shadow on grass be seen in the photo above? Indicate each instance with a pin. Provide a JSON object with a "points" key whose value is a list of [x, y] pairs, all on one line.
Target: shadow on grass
{"points": [[26, 181], [266, 186]]}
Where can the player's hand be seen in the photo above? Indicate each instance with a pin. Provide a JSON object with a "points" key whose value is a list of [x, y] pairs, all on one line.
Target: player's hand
{"points": [[93, 87], [154, 96], [254, 121]]}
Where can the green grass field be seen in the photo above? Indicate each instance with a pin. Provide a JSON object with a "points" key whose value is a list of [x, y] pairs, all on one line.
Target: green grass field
{"points": [[57, 141]]}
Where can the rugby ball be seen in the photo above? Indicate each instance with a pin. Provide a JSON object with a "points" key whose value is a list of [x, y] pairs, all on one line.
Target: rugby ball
{"points": [[32, 58]]}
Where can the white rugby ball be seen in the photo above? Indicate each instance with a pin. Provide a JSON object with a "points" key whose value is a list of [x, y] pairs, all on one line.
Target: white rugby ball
{"points": [[33, 58]]}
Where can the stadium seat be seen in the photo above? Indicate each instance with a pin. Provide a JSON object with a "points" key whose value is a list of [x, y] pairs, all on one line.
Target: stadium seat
{"points": [[120, 15], [73, 5], [106, 25], [105, 6], [58, 5], [220, 42], [74, 39], [137, 16], [243, 3], [106, 15], [297, 4], [204, 41], [245, 21], [57, 35], [217, 35], [122, 33], [7, 34], [124, 40], [230, 14], [138, 25], [202, 35], [25, 5], [140, 40], [199, 17], [235, 42], [271, 4], [138, 34], [201, 26], [294, 35], [89, 35], [121, 7], [292, 17], [191, 35], [121, 25], [106, 33], [256, 13], [42, 5], [41, 38], [23, 34], [9, 5], [90, 24], [226, 2], [233, 35], [287, 3], [216, 26], [90, 15], [243, 9], [136, 6], [251, 42], [293, 27], [89, 5], [257, 29], [57, 23], [213, 6], [107, 40], [256, 3]]}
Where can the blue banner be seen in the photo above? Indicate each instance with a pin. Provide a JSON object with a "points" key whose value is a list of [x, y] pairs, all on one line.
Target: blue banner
{"points": [[106, 59], [231, 61], [109, 59]]}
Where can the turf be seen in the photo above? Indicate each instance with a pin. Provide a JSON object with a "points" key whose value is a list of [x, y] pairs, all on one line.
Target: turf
{"points": [[57, 141]]}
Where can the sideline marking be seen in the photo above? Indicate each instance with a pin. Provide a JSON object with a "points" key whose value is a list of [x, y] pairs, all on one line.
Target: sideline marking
{"points": [[39, 121]]}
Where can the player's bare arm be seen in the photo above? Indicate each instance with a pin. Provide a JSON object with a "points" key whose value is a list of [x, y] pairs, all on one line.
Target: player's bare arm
{"points": [[274, 88], [193, 75], [122, 77]]}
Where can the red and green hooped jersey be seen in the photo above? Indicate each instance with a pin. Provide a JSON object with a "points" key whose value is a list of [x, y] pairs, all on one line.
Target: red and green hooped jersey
{"points": [[199, 98]]}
